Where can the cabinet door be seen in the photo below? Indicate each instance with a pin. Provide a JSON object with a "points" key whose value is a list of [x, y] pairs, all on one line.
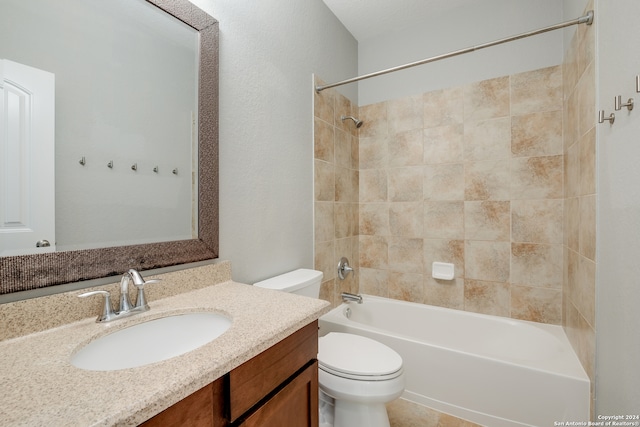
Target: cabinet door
{"points": [[204, 408], [295, 405]]}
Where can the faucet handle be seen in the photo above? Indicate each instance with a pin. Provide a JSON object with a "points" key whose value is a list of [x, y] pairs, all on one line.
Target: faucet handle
{"points": [[107, 311], [141, 300]]}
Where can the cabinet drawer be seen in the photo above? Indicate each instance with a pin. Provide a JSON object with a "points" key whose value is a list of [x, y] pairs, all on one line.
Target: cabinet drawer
{"points": [[252, 381], [295, 405]]}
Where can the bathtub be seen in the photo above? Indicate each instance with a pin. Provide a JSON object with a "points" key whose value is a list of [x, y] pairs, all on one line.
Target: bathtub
{"points": [[490, 370]]}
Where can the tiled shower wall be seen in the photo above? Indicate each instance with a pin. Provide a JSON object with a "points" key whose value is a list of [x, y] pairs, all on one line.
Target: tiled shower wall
{"points": [[470, 175], [336, 191], [580, 196]]}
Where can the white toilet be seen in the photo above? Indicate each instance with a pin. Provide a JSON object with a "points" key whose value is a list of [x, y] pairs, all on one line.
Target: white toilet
{"points": [[359, 374]]}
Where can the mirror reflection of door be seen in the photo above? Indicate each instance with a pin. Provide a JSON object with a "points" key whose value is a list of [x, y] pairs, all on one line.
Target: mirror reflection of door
{"points": [[27, 159]]}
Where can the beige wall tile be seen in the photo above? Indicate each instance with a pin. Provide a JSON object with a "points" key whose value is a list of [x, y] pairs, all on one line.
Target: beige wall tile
{"points": [[586, 90], [346, 220], [444, 182], [587, 161], [375, 116], [583, 338], [374, 219], [537, 178], [406, 255], [584, 297], [439, 250], [323, 136], [444, 293], [324, 181], [536, 221], [373, 152], [442, 107], [342, 149], [536, 304], [487, 261], [487, 140], [324, 259], [406, 148], [444, 220], [488, 180], [328, 292], [324, 227], [487, 297], [405, 114], [570, 71], [405, 184], [587, 230], [374, 252], [444, 144], [487, 99], [487, 220], [537, 265], [570, 123], [406, 287], [342, 107], [373, 185], [374, 282], [406, 219], [572, 171], [346, 185], [323, 104], [537, 134], [536, 91]]}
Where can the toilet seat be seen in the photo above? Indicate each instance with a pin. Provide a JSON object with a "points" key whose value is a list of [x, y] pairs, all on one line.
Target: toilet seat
{"points": [[357, 357]]}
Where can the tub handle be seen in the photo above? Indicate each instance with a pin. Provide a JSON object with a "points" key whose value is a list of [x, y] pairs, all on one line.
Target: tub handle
{"points": [[343, 268]]}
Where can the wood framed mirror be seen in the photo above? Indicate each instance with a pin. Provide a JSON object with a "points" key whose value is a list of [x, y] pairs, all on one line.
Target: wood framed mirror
{"points": [[29, 272]]}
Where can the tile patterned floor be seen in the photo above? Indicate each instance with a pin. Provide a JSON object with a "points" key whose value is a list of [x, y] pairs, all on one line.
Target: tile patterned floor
{"points": [[403, 413]]}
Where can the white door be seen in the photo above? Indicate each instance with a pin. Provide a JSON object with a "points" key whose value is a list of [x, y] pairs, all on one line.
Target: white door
{"points": [[27, 156]]}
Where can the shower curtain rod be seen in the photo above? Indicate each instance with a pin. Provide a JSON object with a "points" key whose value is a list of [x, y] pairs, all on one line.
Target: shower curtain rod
{"points": [[586, 19]]}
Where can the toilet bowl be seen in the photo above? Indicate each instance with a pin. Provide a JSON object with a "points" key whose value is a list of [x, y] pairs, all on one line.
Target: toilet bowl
{"points": [[360, 375]]}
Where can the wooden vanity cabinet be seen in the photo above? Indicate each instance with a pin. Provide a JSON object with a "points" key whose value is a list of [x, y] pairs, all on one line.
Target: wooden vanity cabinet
{"points": [[278, 387]]}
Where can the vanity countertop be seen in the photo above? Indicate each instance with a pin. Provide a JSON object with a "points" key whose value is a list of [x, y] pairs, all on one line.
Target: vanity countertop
{"points": [[39, 386]]}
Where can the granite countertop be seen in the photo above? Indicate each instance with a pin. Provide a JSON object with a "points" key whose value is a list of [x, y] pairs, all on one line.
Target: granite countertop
{"points": [[39, 386]]}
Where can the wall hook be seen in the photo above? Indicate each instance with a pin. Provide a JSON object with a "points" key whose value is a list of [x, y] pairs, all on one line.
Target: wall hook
{"points": [[110, 164], [134, 167], [619, 104], [175, 171], [83, 161], [602, 118], [638, 83], [156, 169]]}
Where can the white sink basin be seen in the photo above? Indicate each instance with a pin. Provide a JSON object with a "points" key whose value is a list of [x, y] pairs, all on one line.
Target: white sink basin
{"points": [[151, 341]]}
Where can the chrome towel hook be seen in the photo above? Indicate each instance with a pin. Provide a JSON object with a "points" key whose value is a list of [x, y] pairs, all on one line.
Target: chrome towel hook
{"points": [[602, 118]]}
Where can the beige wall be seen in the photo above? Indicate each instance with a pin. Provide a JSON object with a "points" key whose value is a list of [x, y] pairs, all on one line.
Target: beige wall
{"points": [[470, 175], [580, 191], [335, 191]]}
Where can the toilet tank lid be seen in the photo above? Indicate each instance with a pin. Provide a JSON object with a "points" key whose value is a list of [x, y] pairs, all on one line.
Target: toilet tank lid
{"points": [[291, 281]]}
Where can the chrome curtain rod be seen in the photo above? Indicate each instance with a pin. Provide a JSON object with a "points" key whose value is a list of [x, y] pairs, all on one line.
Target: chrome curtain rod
{"points": [[586, 19]]}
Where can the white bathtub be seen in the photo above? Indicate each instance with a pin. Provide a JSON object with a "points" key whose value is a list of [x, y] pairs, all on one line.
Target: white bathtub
{"points": [[490, 370]]}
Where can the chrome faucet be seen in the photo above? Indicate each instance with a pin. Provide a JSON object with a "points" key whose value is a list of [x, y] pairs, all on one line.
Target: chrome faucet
{"points": [[126, 308], [348, 297]]}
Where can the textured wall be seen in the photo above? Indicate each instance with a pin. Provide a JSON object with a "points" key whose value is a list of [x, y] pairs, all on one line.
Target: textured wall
{"points": [[268, 52], [618, 207]]}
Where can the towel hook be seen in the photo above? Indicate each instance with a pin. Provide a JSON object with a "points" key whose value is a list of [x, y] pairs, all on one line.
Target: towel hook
{"points": [[602, 118]]}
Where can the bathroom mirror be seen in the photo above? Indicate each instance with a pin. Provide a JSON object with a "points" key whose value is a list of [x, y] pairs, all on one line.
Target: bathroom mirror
{"points": [[27, 272]]}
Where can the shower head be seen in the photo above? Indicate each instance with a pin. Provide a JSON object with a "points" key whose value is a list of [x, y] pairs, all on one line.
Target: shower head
{"points": [[356, 121]]}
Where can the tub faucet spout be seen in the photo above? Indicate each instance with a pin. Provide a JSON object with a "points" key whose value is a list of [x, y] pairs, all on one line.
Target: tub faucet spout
{"points": [[348, 297]]}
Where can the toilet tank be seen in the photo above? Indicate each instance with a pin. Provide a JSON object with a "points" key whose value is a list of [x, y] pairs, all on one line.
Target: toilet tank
{"points": [[302, 282]]}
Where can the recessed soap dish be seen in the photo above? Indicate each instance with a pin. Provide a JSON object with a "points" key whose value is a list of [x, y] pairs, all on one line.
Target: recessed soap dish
{"points": [[442, 270]]}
